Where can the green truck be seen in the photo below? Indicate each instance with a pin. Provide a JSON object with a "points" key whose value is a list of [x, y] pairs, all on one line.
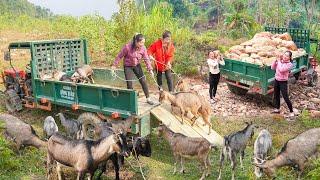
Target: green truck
{"points": [[242, 76], [109, 100]]}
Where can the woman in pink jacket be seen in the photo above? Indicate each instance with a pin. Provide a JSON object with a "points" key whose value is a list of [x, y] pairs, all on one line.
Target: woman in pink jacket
{"points": [[282, 66]]}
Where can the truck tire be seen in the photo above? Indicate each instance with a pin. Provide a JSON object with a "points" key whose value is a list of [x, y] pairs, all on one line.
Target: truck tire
{"points": [[237, 90], [312, 79], [89, 121], [12, 101], [269, 99]]}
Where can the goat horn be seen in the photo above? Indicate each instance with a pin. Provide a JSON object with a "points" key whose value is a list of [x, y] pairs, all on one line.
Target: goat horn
{"points": [[260, 165], [259, 159]]}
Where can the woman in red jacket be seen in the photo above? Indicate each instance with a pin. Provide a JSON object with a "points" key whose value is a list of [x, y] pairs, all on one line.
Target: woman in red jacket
{"points": [[162, 51]]}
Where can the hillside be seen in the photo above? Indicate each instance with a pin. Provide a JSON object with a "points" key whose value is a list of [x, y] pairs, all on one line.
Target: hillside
{"points": [[23, 7]]}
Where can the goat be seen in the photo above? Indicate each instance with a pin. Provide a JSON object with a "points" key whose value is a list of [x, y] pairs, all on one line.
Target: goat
{"points": [[185, 101], [57, 75], [186, 147], [188, 101], [182, 86], [49, 126], [295, 152], [72, 126], [205, 111], [262, 146], [83, 155], [21, 133], [83, 74], [236, 143], [139, 146]]}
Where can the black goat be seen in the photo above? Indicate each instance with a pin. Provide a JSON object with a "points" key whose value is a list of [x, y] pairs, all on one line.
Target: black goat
{"points": [[139, 146]]}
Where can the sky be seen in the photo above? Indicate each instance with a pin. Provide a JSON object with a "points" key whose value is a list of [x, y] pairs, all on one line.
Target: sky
{"points": [[104, 8]]}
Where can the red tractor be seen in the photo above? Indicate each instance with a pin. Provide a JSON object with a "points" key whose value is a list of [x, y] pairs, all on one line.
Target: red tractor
{"points": [[18, 86]]}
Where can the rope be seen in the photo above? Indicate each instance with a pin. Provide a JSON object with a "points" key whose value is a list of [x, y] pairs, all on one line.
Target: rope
{"points": [[115, 76], [134, 149], [173, 72]]}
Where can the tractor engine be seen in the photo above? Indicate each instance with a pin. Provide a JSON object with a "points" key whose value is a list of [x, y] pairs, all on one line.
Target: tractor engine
{"points": [[18, 85]]}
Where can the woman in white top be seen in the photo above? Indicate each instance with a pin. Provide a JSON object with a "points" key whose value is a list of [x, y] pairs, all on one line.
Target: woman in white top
{"points": [[214, 60]]}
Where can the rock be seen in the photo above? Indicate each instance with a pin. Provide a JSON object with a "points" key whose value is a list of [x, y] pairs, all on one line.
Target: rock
{"points": [[311, 95], [315, 100], [314, 114]]}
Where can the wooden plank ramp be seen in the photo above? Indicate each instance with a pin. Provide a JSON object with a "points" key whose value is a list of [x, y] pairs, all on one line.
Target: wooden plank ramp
{"points": [[173, 122]]}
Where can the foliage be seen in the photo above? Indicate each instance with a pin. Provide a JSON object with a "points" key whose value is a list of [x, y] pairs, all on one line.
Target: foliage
{"points": [[23, 7]]}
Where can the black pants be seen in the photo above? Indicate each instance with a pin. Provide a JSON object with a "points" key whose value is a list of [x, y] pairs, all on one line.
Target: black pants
{"points": [[283, 87], [213, 81], [168, 77], [137, 70]]}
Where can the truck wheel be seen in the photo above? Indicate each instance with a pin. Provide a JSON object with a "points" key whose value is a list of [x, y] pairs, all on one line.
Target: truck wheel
{"points": [[12, 101], [313, 79], [237, 90], [269, 98], [89, 121]]}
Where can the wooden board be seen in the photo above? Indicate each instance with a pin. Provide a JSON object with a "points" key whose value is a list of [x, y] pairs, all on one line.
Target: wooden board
{"points": [[143, 107], [173, 122]]}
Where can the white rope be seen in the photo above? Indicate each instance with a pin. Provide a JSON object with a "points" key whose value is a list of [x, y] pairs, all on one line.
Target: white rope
{"points": [[115, 75], [173, 72], [135, 152]]}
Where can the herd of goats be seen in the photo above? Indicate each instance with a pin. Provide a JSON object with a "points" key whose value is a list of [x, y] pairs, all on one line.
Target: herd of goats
{"points": [[75, 149], [110, 142]]}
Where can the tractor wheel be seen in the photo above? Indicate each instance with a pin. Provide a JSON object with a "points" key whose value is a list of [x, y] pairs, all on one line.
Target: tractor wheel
{"points": [[12, 101], [237, 90], [313, 79], [269, 99], [89, 121]]}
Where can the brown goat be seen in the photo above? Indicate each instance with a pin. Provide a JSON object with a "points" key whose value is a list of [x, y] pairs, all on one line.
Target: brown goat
{"points": [[21, 133], [182, 86], [205, 112], [186, 101], [186, 147], [83, 155], [296, 152], [83, 74]]}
